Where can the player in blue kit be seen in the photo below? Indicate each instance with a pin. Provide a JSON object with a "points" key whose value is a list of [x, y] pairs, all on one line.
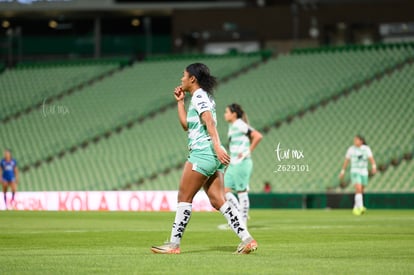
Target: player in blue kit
{"points": [[10, 176]]}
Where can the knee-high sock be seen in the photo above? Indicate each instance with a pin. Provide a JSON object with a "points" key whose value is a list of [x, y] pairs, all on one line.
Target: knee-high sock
{"points": [[358, 201], [234, 220], [231, 198], [244, 206], [182, 217]]}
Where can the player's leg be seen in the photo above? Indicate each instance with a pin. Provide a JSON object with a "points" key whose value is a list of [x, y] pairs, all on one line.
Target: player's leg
{"points": [[215, 191], [191, 181], [364, 182], [358, 202], [13, 187], [244, 205], [245, 171], [358, 199], [356, 182], [4, 187], [229, 184], [231, 198]]}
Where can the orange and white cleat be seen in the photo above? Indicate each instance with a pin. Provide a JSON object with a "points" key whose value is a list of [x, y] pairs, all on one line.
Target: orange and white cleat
{"points": [[167, 248], [246, 247]]}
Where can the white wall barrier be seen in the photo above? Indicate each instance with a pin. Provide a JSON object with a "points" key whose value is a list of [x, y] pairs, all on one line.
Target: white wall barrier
{"points": [[104, 201]]}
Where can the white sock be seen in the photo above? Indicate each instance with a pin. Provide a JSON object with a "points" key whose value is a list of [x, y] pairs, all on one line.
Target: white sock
{"points": [[231, 198], [234, 220], [182, 217], [358, 201], [244, 206]]}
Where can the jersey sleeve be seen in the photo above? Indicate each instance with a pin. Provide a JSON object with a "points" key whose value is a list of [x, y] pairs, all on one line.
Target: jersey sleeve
{"points": [[201, 103], [369, 152], [244, 127], [348, 153]]}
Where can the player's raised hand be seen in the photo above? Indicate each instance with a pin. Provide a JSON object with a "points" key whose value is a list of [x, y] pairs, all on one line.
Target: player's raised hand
{"points": [[179, 93]]}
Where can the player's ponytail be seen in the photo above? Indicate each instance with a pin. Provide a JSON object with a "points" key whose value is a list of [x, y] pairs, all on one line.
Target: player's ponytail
{"points": [[236, 108], [202, 73]]}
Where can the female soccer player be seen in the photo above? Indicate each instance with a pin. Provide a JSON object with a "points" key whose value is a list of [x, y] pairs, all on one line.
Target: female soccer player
{"points": [[10, 176], [359, 154], [206, 162], [243, 140]]}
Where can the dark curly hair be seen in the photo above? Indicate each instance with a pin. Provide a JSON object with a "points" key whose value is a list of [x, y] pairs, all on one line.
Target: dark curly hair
{"points": [[202, 73]]}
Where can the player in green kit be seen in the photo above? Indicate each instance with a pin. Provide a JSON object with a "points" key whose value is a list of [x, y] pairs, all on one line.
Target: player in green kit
{"points": [[358, 155], [206, 161], [243, 139]]}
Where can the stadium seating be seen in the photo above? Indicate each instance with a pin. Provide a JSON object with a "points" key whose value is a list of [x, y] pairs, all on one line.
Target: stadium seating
{"points": [[30, 84], [381, 111], [294, 82]]}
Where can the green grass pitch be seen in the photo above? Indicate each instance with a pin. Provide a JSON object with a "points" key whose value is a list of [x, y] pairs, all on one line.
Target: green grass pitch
{"points": [[290, 242]]}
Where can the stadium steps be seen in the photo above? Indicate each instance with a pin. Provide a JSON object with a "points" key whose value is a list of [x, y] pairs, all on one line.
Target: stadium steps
{"points": [[390, 68], [49, 82]]}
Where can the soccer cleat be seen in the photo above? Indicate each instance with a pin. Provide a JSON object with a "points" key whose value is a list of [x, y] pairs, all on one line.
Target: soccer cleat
{"points": [[249, 245], [167, 248], [363, 210]]}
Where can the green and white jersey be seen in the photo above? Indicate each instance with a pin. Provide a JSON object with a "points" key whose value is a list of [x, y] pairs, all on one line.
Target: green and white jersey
{"points": [[198, 137], [359, 158], [238, 135]]}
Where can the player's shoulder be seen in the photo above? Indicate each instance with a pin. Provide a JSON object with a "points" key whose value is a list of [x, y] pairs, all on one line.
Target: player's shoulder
{"points": [[351, 149], [201, 99], [199, 94], [365, 147], [240, 123]]}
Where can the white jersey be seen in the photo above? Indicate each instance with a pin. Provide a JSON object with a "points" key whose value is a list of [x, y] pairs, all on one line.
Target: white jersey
{"points": [[239, 140], [359, 158], [198, 137]]}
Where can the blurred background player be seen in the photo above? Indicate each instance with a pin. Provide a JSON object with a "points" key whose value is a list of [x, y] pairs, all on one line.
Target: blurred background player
{"points": [[206, 162], [359, 154], [10, 177], [243, 139]]}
